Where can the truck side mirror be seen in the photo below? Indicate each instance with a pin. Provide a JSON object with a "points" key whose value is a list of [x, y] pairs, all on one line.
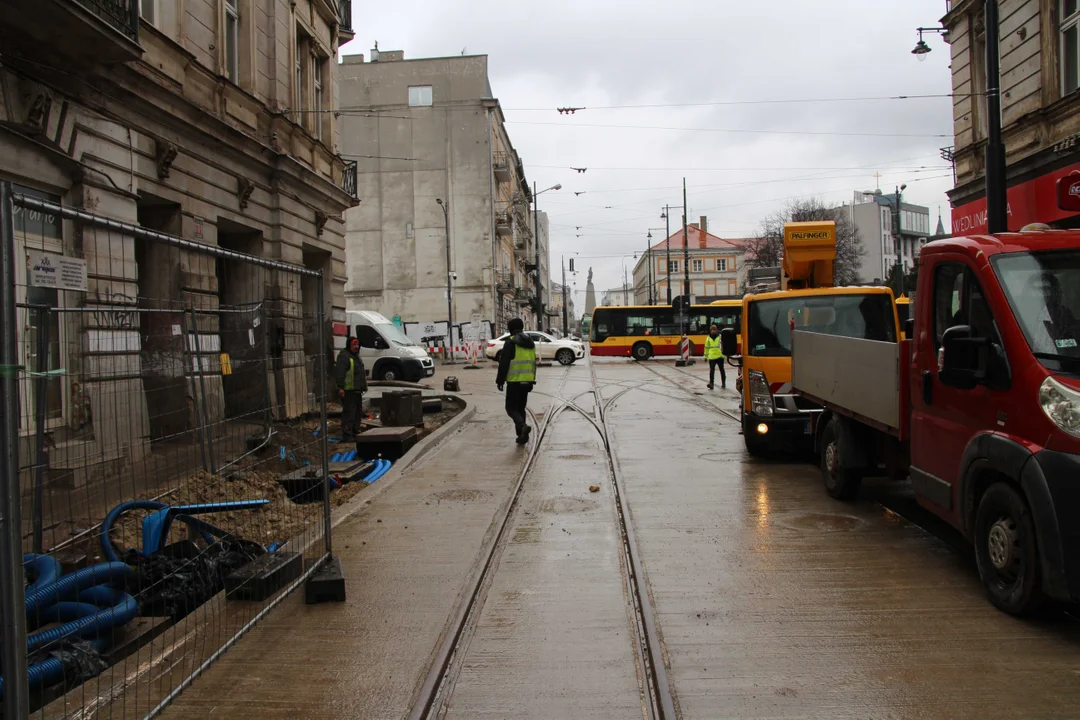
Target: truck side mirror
{"points": [[964, 358], [729, 341], [909, 328]]}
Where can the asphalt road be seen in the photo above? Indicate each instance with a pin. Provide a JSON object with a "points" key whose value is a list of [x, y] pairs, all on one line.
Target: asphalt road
{"points": [[771, 599]]}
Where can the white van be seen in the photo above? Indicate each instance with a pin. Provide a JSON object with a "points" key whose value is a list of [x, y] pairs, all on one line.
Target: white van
{"points": [[387, 352]]}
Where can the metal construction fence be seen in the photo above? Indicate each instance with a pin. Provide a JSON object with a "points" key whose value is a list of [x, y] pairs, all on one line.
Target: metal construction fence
{"points": [[156, 392]]}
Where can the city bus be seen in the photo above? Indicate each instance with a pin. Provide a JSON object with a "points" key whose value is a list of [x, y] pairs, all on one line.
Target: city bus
{"points": [[645, 331]]}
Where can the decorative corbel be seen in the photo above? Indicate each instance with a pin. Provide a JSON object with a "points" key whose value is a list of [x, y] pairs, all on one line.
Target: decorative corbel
{"points": [[244, 188], [320, 221], [38, 114], [165, 154]]}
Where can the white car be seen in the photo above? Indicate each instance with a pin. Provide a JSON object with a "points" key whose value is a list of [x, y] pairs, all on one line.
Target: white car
{"points": [[547, 348]]}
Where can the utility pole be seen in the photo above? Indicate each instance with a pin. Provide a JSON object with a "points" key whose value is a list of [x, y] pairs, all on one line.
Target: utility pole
{"points": [[536, 240], [448, 356], [686, 245], [667, 248], [997, 216], [624, 284], [565, 321], [899, 240], [648, 268]]}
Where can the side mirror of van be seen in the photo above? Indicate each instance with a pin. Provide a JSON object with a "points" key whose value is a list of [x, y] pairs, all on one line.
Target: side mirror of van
{"points": [[729, 341], [909, 328], [964, 358]]}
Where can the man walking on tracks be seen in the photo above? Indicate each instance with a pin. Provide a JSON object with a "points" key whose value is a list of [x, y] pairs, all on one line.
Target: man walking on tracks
{"points": [[351, 383], [517, 370], [715, 356]]}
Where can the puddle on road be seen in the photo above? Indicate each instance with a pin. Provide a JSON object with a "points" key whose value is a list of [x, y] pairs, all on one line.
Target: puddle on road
{"points": [[459, 495], [567, 505], [819, 522]]}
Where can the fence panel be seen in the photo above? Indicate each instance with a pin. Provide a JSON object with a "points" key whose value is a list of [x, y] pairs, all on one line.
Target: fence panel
{"points": [[163, 395]]}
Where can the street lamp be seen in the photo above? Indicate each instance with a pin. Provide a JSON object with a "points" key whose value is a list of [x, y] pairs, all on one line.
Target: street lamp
{"points": [[448, 358], [536, 240], [666, 217], [997, 220], [648, 268]]}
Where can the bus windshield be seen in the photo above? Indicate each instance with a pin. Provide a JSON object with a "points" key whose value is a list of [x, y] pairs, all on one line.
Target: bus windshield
{"points": [[868, 317]]}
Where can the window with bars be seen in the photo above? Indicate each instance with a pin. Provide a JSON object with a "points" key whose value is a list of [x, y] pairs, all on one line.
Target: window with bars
{"points": [[232, 40], [1070, 46]]}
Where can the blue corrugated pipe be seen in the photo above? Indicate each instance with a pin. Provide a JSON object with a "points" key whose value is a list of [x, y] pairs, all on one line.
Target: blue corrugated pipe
{"points": [[83, 601], [106, 525], [381, 468]]}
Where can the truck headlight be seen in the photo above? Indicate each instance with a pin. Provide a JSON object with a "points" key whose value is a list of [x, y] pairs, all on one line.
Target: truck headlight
{"points": [[761, 399], [1061, 405]]}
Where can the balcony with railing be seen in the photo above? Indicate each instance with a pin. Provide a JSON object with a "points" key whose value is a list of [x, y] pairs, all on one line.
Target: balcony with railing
{"points": [[504, 223], [504, 283], [348, 178], [501, 167], [345, 28], [98, 31]]}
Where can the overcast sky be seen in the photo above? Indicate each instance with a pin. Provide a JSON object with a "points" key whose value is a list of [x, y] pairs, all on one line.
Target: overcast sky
{"points": [[742, 157]]}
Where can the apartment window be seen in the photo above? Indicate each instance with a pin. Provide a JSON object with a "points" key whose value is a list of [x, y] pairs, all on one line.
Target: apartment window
{"points": [[721, 265], [420, 95], [673, 266], [232, 40], [148, 11], [1070, 46], [317, 84], [696, 265]]}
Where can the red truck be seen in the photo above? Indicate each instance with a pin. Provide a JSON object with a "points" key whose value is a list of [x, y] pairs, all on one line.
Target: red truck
{"points": [[979, 405]]}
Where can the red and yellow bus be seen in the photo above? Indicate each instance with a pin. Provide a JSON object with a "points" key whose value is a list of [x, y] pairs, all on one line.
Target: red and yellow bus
{"points": [[644, 331]]}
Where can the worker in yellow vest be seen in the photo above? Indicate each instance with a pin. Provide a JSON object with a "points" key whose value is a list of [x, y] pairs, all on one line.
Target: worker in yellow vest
{"points": [[715, 355], [351, 382], [517, 371]]}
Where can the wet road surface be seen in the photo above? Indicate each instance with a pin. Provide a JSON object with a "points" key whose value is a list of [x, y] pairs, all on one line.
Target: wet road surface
{"points": [[772, 600]]}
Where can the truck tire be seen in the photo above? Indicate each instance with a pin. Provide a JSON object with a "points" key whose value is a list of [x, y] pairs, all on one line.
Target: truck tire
{"points": [[756, 445], [642, 351], [1006, 550], [841, 482]]}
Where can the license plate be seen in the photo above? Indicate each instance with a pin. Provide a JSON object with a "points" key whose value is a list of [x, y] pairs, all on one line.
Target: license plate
{"points": [[806, 428]]}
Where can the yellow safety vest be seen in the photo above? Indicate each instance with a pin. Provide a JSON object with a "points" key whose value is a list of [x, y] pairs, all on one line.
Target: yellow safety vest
{"points": [[712, 348], [523, 366], [350, 374]]}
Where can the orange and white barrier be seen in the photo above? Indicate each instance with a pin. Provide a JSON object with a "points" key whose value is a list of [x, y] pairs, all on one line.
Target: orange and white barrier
{"points": [[684, 348]]}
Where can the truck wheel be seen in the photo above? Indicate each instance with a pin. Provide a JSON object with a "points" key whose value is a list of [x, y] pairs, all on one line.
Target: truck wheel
{"points": [[840, 482], [642, 351], [565, 357], [756, 445], [1006, 551]]}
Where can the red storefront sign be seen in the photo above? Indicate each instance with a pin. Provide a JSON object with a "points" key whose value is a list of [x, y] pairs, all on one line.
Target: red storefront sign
{"points": [[1033, 201], [1068, 193]]}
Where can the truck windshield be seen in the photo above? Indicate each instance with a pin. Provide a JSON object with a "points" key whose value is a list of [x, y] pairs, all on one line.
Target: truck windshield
{"points": [[393, 333], [1043, 289], [869, 317]]}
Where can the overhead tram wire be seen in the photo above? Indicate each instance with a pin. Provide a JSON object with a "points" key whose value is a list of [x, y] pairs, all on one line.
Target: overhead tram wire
{"points": [[740, 131], [718, 103]]}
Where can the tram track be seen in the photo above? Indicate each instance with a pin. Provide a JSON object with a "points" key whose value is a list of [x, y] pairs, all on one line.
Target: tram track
{"points": [[657, 699]]}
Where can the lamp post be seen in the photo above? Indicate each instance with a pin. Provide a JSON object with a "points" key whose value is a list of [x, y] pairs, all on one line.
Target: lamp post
{"points": [[449, 358], [666, 215], [536, 241], [648, 268], [997, 220]]}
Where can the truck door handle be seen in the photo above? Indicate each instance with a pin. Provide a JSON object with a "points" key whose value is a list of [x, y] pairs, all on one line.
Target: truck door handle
{"points": [[927, 387]]}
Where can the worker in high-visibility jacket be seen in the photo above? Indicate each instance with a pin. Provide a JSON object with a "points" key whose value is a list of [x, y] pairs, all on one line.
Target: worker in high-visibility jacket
{"points": [[715, 355], [351, 383], [517, 371]]}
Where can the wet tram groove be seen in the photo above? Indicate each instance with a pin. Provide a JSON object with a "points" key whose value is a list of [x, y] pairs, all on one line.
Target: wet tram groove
{"points": [[654, 687]]}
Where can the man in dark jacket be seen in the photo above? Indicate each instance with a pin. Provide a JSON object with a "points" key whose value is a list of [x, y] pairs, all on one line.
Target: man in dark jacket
{"points": [[351, 383], [517, 371]]}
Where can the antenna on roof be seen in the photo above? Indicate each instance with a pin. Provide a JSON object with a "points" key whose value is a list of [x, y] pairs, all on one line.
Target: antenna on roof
{"points": [[464, 49]]}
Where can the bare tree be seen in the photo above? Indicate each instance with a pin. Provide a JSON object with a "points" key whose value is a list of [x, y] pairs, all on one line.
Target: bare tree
{"points": [[767, 249]]}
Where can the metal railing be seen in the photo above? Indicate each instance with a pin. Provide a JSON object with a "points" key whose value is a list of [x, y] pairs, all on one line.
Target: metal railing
{"points": [[345, 16], [121, 14], [348, 177]]}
